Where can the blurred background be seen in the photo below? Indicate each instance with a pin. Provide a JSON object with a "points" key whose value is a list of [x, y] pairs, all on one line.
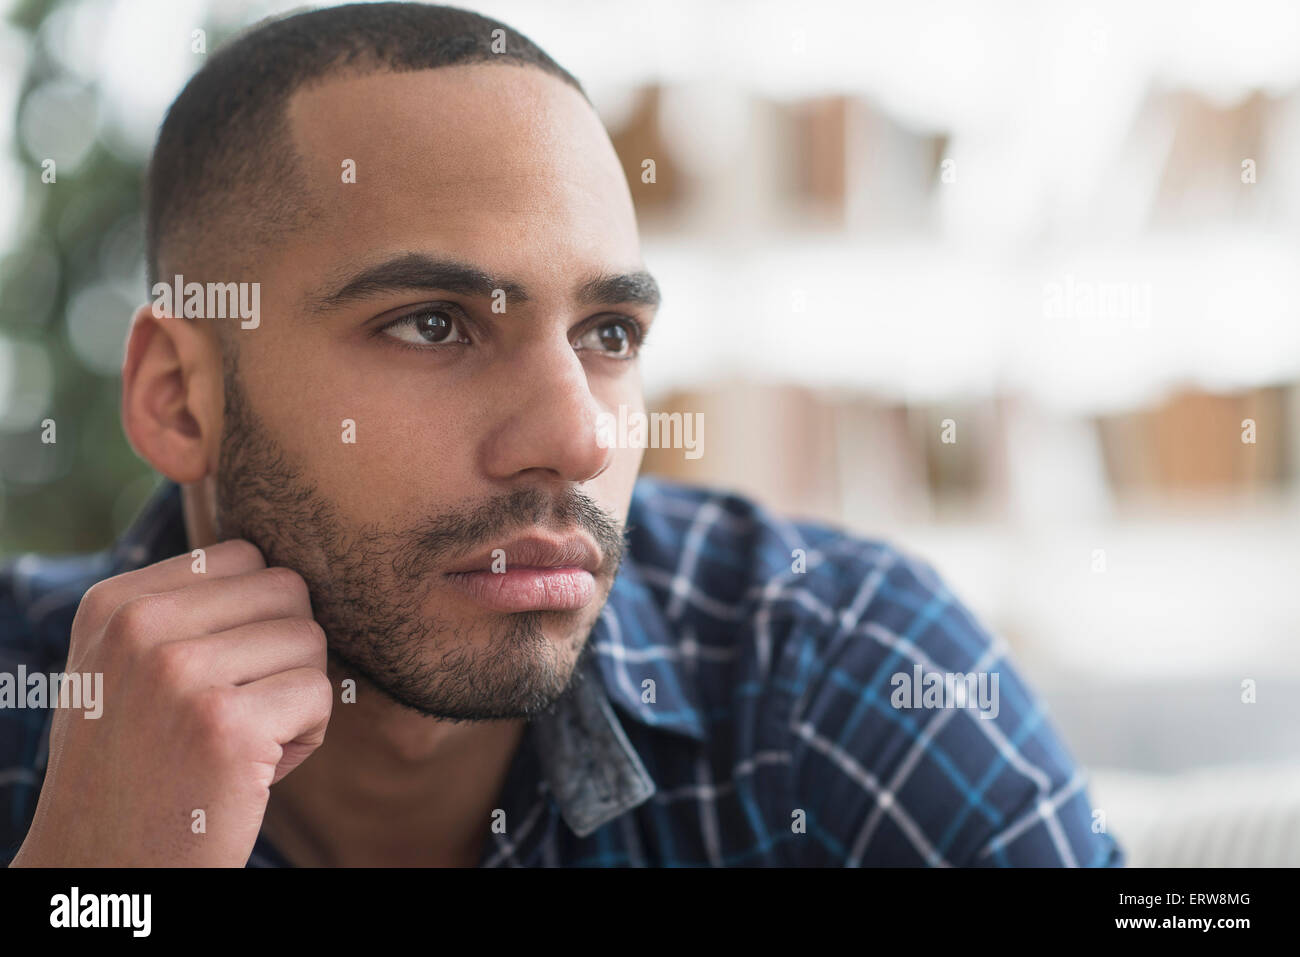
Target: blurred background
{"points": [[1011, 285]]}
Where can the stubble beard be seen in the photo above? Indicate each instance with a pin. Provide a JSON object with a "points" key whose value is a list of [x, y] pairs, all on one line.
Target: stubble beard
{"points": [[371, 587]]}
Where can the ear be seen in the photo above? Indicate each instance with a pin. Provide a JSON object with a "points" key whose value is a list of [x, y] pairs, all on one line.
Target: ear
{"points": [[172, 393]]}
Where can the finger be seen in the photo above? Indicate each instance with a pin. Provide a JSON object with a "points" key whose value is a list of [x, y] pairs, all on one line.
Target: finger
{"points": [[252, 651], [232, 557], [207, 607], [141, 623], [211, 606], [294, 707]]}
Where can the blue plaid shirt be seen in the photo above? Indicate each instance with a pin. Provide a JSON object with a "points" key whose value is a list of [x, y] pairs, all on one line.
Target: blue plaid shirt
{"points": [[739, 708]]}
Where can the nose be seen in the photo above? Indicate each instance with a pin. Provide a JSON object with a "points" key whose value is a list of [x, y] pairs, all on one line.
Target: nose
{"points": [[548, 424]]}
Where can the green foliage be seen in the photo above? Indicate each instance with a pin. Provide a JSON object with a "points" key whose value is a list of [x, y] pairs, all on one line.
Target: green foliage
{"points": [[83, 229]]}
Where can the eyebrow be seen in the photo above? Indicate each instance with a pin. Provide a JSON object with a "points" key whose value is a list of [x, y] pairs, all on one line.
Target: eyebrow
{"points": [[417, 271], [637, 287]]}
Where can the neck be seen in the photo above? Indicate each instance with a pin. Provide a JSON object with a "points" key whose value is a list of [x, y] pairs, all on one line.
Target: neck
{"points": [[390, 787]]}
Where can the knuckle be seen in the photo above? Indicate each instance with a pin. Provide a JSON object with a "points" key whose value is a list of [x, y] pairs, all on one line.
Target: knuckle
{"points": [[243, 552], [310, 631], [216, 717], [134, 621], [174, 663], [289, 582], [322, 691], [99, 602]]}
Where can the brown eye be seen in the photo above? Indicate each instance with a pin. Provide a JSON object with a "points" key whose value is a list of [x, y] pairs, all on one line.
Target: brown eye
{"points": [[613, 338], [432, 326], [609, 339]]}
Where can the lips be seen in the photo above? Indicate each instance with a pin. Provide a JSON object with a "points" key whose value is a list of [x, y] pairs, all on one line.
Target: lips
{"points": [[535, 552], [540, 574]]}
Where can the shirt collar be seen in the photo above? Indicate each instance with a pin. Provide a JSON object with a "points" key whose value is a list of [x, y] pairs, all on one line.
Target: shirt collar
{"points": [[158, 531], [590, 766]]}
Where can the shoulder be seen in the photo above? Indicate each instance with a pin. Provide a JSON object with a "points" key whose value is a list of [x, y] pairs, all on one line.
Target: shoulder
{"points": [[908, 733], [38, 600], [39, 596], [734, 548], [727, 557]]}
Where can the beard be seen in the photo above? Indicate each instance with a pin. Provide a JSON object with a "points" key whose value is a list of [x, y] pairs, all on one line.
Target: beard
{"points": [[371, 585]]}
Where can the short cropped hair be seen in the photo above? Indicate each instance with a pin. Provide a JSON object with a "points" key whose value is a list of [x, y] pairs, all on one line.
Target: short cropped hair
{"points": [[223, 181]]}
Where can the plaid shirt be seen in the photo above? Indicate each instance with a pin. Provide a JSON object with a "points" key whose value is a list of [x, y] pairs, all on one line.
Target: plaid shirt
{"points": [[737, 710]]}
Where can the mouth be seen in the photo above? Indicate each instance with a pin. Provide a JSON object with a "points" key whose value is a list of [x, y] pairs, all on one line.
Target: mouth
{"points": [[532, 573]]}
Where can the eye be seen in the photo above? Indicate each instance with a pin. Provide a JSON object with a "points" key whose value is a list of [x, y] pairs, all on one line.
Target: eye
{"points": [[439, 324], [616, 338]]}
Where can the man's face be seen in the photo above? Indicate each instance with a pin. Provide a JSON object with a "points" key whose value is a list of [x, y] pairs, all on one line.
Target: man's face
{"points": [[474, 429]]}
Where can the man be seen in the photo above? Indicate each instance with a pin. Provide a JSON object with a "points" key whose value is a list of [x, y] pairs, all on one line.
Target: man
{"points": [[397, 603]]}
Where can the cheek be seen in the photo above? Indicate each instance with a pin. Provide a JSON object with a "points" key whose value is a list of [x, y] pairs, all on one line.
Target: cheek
{"points": [[404, 462], [367, 444]]}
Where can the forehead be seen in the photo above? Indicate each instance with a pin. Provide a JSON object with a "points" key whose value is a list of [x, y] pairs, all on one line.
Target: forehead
{"points": [[504, 166]]}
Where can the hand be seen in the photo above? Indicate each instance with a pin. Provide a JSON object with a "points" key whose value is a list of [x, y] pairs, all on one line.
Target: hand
{"points": [[214, 689]]}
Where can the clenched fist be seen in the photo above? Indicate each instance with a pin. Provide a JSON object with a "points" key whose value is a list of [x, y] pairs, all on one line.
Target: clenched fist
{"points": [[214, 689]]}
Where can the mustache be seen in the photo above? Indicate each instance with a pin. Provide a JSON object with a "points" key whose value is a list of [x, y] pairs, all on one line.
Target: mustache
{"points": [[440, 538]]}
